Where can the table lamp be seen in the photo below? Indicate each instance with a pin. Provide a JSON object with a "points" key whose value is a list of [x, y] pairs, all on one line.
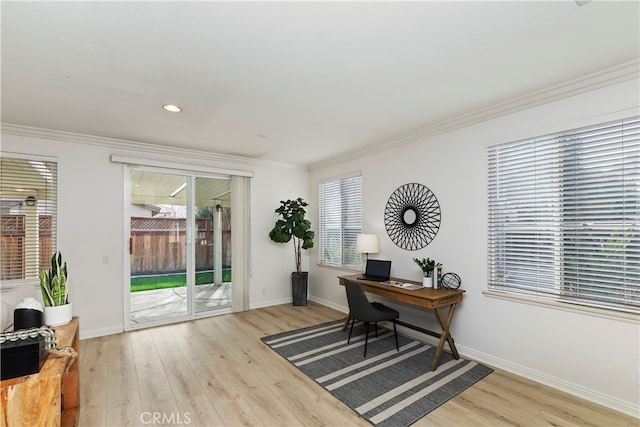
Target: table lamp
{"points": [[367, 244]]}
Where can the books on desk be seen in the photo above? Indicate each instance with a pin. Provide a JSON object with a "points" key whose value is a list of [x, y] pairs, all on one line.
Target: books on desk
{"points": [[403, 285]]}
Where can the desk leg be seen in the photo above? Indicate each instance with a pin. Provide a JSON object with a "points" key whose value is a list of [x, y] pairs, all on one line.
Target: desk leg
{"points": [[346, 322], [445, 336]]}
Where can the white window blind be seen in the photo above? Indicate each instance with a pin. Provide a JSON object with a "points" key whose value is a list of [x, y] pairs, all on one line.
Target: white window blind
{"points": [[28, 204], [340, 205], [564, 216]]}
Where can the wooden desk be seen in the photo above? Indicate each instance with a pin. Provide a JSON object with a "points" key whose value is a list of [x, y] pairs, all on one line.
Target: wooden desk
{"points": [[50, 397], [434, 299]]}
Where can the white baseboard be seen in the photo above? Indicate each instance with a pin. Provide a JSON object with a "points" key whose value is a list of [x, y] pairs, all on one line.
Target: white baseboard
{"points": [[595, 396], [629, 408], [330, 304], [95, 333], [263, 304], [321, 301]]}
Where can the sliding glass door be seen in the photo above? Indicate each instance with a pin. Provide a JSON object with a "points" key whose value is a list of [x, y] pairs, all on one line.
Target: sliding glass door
{"points": [[177, 246], [212, 244]]}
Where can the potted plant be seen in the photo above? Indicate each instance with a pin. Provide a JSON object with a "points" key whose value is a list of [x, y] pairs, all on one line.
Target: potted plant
{"points": [[292, 225], [55, 292], [427, 266]]}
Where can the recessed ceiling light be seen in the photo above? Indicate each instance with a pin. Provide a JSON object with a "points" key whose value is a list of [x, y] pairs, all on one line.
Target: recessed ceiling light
{"points": [[263, 135], [172, 108]]}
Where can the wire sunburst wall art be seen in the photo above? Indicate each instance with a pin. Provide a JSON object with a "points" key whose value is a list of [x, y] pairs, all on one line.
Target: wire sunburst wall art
{"points": [[412, 216]]}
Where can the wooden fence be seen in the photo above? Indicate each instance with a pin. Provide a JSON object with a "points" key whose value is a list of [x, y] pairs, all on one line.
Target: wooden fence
{"points": [[158, 244], [12, 245]]}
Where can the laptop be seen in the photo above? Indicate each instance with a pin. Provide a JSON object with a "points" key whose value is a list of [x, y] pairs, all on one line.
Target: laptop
{"points": [[377, 270]]}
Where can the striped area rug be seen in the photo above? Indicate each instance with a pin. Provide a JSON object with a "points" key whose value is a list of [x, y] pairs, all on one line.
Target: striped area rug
{"points": [[387, 388]]}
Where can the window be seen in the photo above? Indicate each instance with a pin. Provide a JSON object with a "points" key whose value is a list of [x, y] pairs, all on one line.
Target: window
{"points": [[340, 216], [27, 217], [564, 216]]}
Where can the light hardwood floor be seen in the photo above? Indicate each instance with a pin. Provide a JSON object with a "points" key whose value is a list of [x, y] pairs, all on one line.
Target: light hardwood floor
{"points": [[216, 372]]}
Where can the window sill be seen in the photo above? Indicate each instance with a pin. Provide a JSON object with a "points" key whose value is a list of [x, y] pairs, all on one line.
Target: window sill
{"points": [[339, 267], [565, 306], [7, 285]]}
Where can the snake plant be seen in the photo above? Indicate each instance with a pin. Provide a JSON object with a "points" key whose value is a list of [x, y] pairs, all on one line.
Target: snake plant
{"points": [[53, 282]]}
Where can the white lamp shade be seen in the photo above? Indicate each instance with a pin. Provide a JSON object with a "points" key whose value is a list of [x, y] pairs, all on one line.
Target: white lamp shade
{"points": [[367, 244]]}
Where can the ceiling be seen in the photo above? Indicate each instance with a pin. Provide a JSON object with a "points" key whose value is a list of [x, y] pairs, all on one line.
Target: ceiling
{"points": [[296, 82], [167, 189]]}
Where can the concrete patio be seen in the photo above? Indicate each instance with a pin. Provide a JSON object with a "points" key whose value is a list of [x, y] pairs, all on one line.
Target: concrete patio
{"points": [[162, 304]]}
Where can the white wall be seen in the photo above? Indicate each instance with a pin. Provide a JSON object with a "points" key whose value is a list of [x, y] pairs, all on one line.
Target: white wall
{"points": [[272, 263], [91, 223], [594, 357]]}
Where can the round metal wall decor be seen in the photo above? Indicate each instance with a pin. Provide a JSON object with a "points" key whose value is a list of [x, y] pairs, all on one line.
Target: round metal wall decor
{"points": [[412, 216]]}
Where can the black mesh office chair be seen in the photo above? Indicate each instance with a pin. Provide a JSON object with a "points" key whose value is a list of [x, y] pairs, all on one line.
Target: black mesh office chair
{"points": [[368, 312]]}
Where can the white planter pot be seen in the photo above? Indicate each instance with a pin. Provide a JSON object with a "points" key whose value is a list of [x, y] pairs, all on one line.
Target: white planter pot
{"points": [[427, 282], [58, 315]]}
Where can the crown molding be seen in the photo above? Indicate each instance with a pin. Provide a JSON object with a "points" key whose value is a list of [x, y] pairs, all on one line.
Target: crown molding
{"points": [[122, 144], [608, 77]]}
